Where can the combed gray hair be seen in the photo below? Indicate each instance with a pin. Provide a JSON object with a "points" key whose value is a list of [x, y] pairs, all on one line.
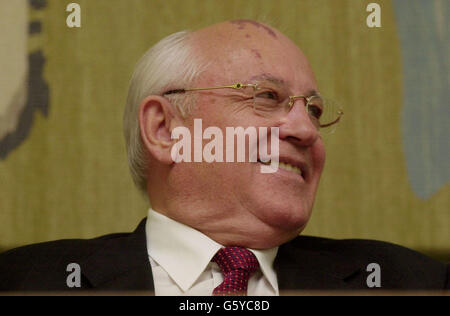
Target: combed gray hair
{"points": [[172, 61]]}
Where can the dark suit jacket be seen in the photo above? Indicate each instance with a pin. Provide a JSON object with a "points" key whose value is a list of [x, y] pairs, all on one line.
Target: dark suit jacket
{"points": [[120, 262]]}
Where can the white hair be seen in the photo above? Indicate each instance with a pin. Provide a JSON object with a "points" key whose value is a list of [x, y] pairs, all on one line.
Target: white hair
{"points": [[171, 63]]}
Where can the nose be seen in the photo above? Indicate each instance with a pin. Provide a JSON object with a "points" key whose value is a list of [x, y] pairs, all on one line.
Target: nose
{"points": [[297, 126]]}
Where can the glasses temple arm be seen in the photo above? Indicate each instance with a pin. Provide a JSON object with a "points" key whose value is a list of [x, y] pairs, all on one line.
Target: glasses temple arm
{"points": [[233, 86], [340, 113]]}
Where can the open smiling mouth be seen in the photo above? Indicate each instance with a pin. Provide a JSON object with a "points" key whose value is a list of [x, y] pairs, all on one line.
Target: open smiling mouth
{"points": [[285, 166]]}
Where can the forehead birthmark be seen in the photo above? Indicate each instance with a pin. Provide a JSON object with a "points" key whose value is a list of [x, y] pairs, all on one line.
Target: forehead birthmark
{"points": [[243, 23], [256, 53]]}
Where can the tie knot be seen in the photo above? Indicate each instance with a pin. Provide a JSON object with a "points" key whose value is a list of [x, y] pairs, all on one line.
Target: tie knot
{"points": [[236, 258], [237, 265]]}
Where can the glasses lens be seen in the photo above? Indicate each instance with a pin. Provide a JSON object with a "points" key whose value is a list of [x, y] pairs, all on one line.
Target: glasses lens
{"points": [[326, 111], [315, 108], [271, 100]]}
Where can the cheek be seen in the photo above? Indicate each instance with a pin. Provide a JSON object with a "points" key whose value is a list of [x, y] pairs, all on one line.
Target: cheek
{"points": [[318, 156]]}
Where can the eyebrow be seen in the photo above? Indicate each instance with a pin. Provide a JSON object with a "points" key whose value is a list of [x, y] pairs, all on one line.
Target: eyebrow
{"points": [[311, 92], [280, 82]]}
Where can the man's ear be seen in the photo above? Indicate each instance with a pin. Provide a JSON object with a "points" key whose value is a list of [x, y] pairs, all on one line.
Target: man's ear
{"points": [[156, 120]]}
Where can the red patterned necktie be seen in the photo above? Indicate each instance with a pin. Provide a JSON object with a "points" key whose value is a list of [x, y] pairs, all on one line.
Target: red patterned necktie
{"points": [[237, 265]]}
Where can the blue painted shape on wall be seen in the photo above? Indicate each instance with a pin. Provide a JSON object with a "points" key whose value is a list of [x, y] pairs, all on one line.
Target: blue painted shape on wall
{"points": [[425, 38]]}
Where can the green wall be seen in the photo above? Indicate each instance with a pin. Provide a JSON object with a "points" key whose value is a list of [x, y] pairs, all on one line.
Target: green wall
{"points": [[69, 178]]}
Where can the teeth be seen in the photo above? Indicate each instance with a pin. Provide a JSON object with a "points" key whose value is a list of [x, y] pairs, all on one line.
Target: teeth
{"points": [[285, 166], [289, 167]]}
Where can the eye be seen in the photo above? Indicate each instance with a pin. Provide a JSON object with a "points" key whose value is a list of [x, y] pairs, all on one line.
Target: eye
{"points": [[267, 99], [269, 94], [314, 111]]}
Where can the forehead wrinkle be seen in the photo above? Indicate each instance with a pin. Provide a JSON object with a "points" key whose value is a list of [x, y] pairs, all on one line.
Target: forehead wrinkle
{"points": [[268, 77], [280, 82]]}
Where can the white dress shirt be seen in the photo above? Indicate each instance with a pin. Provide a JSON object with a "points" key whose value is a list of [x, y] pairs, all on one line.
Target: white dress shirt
{"points": [[180, 257]]}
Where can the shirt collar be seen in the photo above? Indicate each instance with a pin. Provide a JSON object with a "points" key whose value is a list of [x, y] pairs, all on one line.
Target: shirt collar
{"points": [[170, 243], [265, 258]]}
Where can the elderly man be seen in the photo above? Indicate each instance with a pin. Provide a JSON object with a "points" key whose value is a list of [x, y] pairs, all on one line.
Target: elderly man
{"points": [[223, 227]]}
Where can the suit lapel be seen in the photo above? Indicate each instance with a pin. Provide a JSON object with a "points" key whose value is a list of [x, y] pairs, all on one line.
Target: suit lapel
{"points": [[120, 263]]}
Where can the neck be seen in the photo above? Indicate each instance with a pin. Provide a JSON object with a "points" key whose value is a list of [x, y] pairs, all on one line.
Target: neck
{"points": [[226, 226]]}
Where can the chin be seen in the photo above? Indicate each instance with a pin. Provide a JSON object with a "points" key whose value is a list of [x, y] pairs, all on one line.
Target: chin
{"points": [[275, 234], [288, 219], [284, 216]]}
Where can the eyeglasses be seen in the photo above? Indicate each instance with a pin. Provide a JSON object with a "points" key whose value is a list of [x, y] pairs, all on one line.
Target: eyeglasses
{"points": [[271, 99]]}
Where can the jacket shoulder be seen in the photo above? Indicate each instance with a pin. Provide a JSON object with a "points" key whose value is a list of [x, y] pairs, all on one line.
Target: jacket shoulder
{"points": [[355, 248], [44, 265], [400, 267]]}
